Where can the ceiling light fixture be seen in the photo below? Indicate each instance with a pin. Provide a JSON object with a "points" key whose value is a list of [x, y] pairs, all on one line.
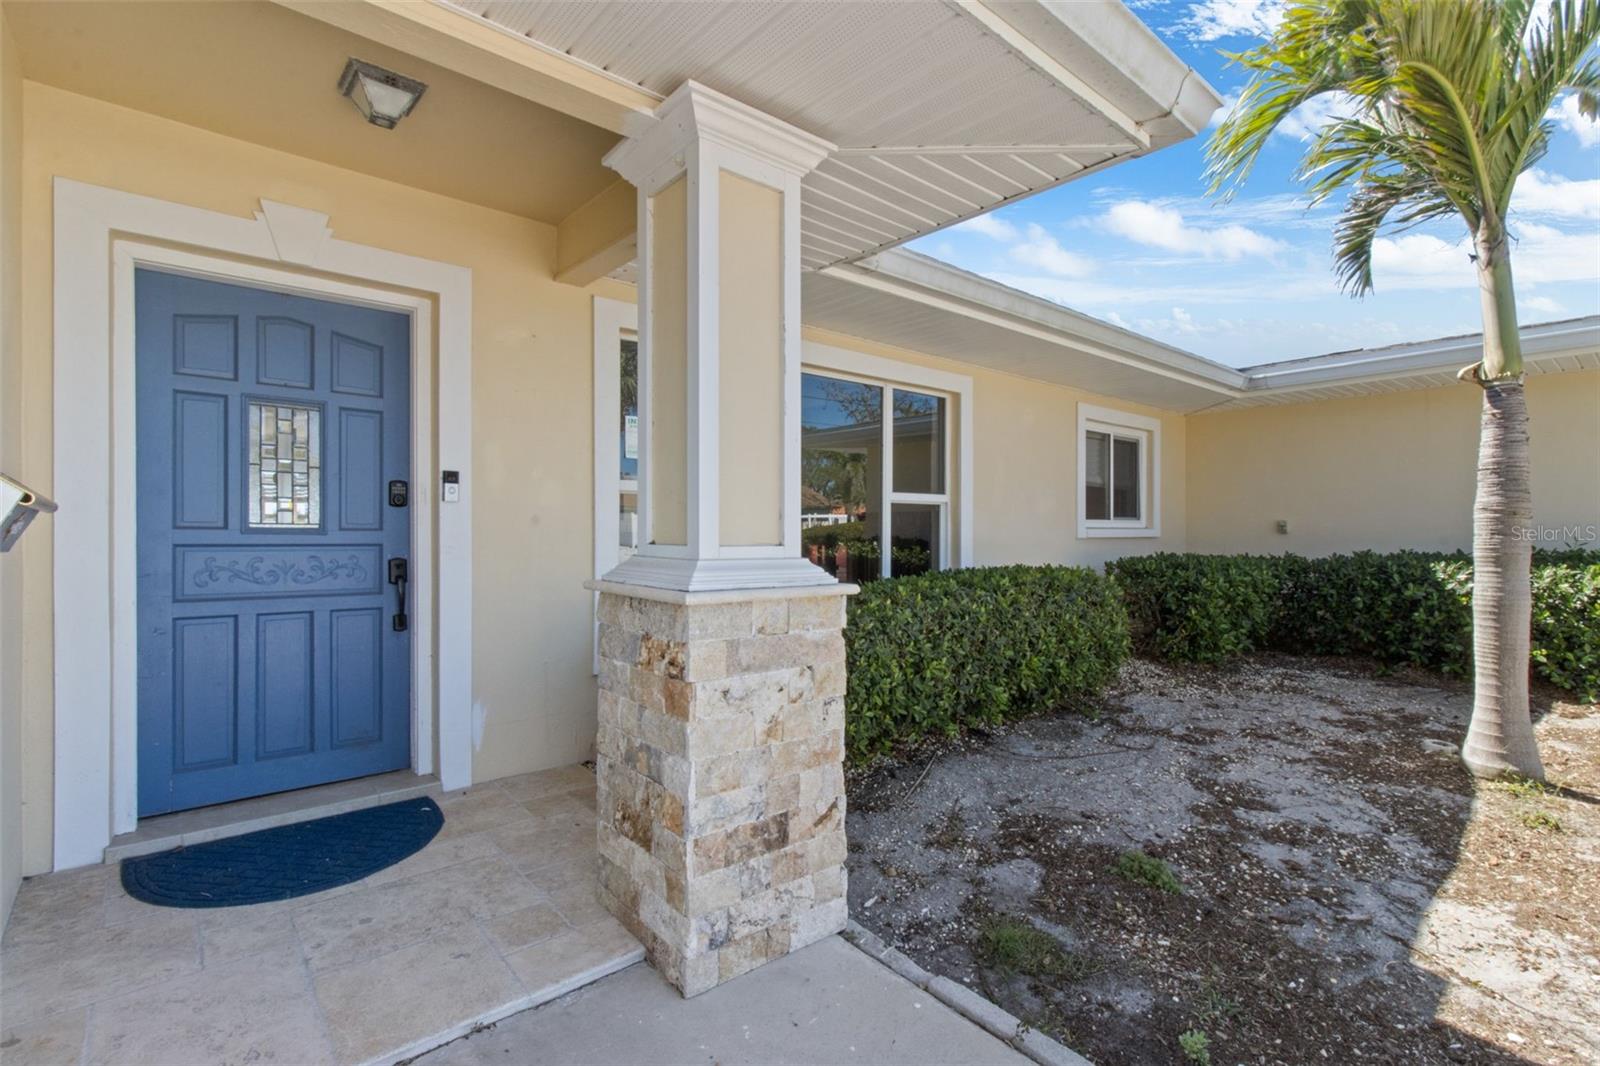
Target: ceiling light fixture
{"points": [[382, 96]]}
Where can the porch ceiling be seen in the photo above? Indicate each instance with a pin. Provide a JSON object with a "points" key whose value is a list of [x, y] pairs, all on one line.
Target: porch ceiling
{"points": [[941, 110], [261, 73]]}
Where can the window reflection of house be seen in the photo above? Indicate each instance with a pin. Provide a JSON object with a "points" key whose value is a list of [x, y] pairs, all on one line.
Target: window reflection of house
{"points": [[845, 478]]}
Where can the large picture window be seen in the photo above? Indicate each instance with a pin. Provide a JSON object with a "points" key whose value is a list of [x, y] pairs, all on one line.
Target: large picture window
{"points": [[874, 478]]}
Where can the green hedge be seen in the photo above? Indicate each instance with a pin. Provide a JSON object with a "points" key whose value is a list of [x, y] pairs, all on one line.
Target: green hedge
{"points": [[1198, 608], [932, 654], [1566, 627], [1400, 607]]}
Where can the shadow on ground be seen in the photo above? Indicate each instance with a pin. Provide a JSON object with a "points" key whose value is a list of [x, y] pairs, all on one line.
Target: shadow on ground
{"points": [[1348, 893]]}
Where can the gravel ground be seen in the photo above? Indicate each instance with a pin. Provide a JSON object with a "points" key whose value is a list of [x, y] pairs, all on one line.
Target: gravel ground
{"points": [[1349, 893]]}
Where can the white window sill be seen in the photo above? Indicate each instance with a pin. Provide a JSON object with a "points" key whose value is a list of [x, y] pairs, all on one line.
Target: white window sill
{"points": [[1094, 532]]}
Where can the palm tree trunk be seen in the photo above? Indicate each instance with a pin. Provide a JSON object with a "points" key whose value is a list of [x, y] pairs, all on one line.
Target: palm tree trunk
{"points": [[1500, 739]]}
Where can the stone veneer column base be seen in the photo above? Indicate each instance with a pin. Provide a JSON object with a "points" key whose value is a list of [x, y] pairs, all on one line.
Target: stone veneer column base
{"points": [[721, 774]]}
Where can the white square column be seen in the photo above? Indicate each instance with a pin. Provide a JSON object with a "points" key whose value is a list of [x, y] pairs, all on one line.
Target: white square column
{"points": [[719, 345], [720, 748]]}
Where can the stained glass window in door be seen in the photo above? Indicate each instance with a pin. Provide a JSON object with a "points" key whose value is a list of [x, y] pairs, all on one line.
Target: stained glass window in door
{"points": [[285, 465]]}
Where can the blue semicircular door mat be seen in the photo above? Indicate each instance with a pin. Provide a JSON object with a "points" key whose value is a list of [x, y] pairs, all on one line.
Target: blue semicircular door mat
{"points": [[286, 861]]}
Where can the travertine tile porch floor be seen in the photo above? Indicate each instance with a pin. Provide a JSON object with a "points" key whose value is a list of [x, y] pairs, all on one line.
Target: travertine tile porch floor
{"points": [[496, 914]]}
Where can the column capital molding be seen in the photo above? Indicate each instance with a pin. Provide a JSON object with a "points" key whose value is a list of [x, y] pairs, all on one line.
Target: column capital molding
{"points": [[695, 115], [721, 574]]}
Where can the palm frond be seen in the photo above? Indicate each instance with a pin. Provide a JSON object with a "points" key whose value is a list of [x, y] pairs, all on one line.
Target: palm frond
{"points": [[1447, 107], [1319, 48], [1557, 56], [1366, 215]]}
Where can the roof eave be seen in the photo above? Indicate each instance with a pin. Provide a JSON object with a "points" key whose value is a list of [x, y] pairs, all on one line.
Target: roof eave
{"points": [[1127, 62], [1540, 342], [931, 275]]}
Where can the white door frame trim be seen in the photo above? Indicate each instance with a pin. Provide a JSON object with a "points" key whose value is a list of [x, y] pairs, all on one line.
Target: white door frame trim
{"points": [[101, 237]]}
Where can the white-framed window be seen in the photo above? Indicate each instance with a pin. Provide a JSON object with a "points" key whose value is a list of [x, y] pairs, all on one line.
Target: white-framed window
{"points": [[874, 476], [886, 465], [1119, 473]]}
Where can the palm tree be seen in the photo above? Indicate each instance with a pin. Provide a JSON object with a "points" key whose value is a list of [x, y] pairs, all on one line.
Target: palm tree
{"points": [[1442, 106]]}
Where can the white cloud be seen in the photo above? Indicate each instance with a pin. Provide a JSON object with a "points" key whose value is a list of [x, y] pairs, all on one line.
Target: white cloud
{"points": [[1397, 261], [1540, 305], [1044, 252], [1212, 20], [1277, 210], [1164, 227], [1304, 122], [1100, 297], [1565, 114], [1546, 254], [989, 226], [1539, 193], [1541, 255], [1307, 120]]}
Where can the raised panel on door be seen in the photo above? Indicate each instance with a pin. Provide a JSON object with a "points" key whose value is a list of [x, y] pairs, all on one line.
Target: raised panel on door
{"points": [[285, 673], [285, 353], [361, 488], [199, 460], [356, 649], [205, 692], [269, 427], [206, 346]]}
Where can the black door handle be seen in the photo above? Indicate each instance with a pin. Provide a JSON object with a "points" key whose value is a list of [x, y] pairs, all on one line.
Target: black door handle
{"points": [[398, 578]]}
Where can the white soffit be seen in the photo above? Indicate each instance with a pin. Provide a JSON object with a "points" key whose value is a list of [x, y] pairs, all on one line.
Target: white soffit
{"points": [[941, 110]]}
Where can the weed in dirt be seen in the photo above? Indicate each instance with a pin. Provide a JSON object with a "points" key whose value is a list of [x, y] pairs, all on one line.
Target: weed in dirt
{"points": [[1524, 787], [1543, 820], [1012, 945], [1138, 867], [1196, 1046], [1214, 1008]]}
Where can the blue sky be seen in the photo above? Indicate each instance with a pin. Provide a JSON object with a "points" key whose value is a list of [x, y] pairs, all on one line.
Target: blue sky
{"points": [[1251, 280]]}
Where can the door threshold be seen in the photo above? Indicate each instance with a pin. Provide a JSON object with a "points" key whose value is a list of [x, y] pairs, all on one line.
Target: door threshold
{"points": [[167, 831]]}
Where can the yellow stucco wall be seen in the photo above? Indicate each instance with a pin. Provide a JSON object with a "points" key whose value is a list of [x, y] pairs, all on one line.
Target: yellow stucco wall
{"points": [[750, 386], [11, 461], [1382, 472], [669, 366], [532, 382]]}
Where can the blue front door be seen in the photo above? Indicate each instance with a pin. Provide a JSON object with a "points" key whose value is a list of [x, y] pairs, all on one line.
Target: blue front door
{"points": [[271, 429]]}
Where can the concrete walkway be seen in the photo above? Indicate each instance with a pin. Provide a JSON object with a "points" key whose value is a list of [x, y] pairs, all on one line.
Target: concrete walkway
{"points": [[829, 1003]]}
